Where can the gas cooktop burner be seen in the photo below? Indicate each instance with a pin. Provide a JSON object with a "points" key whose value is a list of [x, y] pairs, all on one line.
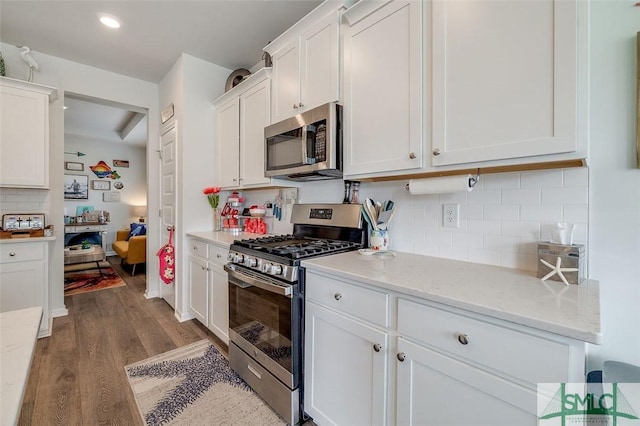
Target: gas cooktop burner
{"points": [[293, 247]]}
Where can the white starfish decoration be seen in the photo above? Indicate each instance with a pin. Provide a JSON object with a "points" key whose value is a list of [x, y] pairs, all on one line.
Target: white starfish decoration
{"points": [[557, 270]]}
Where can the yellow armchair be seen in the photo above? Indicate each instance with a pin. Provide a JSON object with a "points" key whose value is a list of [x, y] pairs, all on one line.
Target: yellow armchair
{"points": [[132, 251]]}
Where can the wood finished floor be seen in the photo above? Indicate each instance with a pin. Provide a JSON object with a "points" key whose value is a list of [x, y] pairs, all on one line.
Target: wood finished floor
{"points": [[77, 375]]}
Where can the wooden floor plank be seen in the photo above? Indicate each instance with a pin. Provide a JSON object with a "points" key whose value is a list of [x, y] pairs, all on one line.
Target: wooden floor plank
{"points": [[78, 375]]}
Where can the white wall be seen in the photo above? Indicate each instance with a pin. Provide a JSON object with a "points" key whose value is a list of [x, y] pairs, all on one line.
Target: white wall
{"points": [[191, 85], [68, 76], [134, 192], [614, 207]]}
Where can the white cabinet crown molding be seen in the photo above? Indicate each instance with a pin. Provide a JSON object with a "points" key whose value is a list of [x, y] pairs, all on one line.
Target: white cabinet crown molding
{"points": [[250, 80], [52, 92], [305, 23]]}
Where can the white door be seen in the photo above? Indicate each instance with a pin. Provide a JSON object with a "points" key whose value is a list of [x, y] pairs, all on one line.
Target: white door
{"points": [[434, 389], [255, 115], [382, 110], [345, 369], [168, 183], [285, 98], [228, 143], [504, 79]]}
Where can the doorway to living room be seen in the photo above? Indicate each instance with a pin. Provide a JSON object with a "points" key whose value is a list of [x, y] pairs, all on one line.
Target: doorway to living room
{"points": [[105, 180]]}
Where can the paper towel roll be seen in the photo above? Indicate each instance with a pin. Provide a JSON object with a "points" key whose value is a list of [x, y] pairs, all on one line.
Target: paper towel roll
{"points": [[441, 185]]}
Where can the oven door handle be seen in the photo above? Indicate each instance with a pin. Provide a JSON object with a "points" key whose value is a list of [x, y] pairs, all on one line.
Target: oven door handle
{"points": [[243, 281]]}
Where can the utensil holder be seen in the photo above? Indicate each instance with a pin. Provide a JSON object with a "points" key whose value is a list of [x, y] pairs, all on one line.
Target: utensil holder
{"points": [[379, 240]]}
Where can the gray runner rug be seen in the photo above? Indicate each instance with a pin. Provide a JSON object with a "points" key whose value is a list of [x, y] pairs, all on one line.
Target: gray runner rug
{"points": [[194, 385]]}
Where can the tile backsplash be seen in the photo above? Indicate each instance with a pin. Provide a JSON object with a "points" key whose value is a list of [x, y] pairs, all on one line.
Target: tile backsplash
{"points": [[501, 220], [15, 200]]}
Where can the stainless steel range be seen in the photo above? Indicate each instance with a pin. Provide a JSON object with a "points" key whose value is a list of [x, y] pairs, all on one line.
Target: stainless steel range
{"points": [[266, 300]]}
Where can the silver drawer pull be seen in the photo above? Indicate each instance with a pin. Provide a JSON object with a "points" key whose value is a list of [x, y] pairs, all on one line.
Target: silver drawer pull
{"points": [[13, 253], [463, 339], [218, 255], [337, 296], [401, 356], [254, 371], [377, 347]]}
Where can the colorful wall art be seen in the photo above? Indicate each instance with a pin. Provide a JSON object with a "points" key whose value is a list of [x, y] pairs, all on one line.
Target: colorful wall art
{"points": [[102, 170]]}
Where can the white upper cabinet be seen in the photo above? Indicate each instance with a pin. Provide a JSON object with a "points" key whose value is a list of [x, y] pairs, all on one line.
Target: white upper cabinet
{"points": [[241, 116], [506, 80], [24, 134], [383, 89], [306, 62]]}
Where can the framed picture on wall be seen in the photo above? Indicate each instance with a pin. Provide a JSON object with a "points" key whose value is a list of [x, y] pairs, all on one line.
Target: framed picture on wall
{"points": [[101, 185], [76, 187], [71, 165]]}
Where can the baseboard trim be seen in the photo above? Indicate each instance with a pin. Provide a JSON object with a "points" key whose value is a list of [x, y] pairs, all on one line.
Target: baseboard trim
{"points": [[62, 312]]}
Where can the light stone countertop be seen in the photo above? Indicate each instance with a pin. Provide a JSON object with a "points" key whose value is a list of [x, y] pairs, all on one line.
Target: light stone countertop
{"points": [[18, 334], [26, 240], [507, 294], [223, 238]]}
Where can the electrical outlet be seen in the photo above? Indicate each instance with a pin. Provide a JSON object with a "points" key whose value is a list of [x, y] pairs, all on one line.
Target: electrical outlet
{"points": [[451, 215]]}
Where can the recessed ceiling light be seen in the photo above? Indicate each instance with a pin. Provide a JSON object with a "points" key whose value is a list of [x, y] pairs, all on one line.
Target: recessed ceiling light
{"points": [[109, 20]]}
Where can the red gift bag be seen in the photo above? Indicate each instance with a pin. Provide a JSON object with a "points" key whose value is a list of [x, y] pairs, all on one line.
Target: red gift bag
{"points": [[166, 255]]}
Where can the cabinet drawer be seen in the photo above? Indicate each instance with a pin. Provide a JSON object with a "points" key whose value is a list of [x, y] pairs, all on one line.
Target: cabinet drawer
{"points": [[524, 356], [218, 255], [199, 249], [368, 304], [21, 252], [83, 228]]}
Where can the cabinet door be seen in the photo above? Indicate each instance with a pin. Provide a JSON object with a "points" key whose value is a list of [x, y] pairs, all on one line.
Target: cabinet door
{"points": [[24, 138], [286, 82], [504, 82], [219, 303], [199, 289], [435, 389], [228, 143], [382, 107], [255, 115], [345, 377], [319, 63], [22, 285]]}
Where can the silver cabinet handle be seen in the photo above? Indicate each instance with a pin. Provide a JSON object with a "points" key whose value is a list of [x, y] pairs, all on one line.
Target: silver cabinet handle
{"points": [[13, 253], [218, 255], [412, 155], [337, 296], [377, 347], [401, 356], [463, 339], [436, 151], [295, 106], [300, 105]]}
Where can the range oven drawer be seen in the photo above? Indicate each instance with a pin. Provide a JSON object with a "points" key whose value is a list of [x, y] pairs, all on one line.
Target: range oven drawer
{"points": [[282, 399]]}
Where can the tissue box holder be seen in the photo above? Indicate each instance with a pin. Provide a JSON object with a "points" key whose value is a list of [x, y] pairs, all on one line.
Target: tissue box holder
{"points": [[572, 256]]}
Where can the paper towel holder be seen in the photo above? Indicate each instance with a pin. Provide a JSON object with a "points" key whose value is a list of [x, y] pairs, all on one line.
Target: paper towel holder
{"points": [[472, 181]]}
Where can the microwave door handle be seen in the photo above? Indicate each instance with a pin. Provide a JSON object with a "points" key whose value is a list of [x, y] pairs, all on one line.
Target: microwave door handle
{"points": [[305, 158]]}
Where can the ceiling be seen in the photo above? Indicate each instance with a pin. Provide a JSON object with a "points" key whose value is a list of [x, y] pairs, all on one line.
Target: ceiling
{"points": [[152, 37]]}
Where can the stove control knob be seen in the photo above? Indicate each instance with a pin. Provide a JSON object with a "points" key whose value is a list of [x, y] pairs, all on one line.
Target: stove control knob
{"points": [[266, 267], [251, 262], [275, 270], [238, 258]]}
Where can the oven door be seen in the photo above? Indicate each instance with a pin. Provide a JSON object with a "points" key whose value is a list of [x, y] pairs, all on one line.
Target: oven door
{"points": [[265, 321]]}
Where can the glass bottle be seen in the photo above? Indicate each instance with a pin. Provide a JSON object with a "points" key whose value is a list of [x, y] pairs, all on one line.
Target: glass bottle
{"points": [[355, 189]]}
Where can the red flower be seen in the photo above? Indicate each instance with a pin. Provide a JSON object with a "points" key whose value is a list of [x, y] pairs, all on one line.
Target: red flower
{"points": [[213, 195]]}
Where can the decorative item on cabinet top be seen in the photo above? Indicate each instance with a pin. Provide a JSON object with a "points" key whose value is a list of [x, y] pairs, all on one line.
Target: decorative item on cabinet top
{"points": [[236, 78]]}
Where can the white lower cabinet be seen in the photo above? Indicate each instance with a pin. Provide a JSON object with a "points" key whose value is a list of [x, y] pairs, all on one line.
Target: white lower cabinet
{"points": [[218, 294], [24, 279], [345, 367], [378, 357], [435, 389], [198, 288], [208, 294]]}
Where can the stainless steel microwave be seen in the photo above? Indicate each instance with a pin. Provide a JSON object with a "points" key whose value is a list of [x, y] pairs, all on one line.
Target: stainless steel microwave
{"points": [[307, 146]]}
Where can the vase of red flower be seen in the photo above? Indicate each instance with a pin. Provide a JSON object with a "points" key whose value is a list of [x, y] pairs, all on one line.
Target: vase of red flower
{"points": [[213, 196]]}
